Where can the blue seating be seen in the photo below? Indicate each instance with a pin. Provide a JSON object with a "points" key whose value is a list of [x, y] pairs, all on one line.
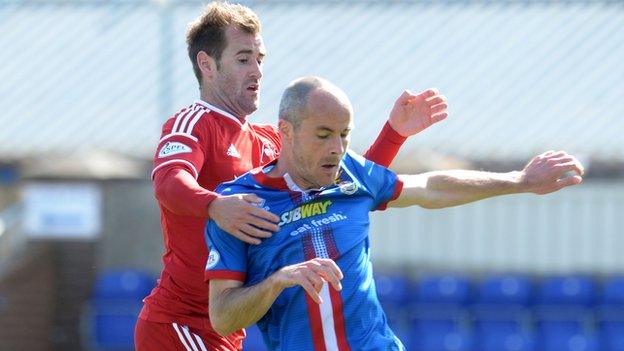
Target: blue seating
{"points": [[613, 291], [567, 290], [564, 336], [439, 335], [393, 290], [504, 290], [123, 284], [502, 335], [110, 314], [443, 289]]}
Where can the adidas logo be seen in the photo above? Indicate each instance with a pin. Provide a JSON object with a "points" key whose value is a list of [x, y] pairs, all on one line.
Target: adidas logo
{"points": [[231, 151]]}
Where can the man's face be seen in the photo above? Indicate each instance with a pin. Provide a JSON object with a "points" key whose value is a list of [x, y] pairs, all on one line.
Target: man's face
{"points": [[236, 82], [320, 141]]}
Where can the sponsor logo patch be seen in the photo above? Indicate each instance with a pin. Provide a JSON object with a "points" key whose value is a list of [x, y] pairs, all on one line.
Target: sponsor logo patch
{"points": [[173, 148], [348, 188], [304, 211], [213, 259]]}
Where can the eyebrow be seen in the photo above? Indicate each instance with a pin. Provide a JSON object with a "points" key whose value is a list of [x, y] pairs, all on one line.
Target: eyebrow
{"points": [[327, 129], [250, 52]]}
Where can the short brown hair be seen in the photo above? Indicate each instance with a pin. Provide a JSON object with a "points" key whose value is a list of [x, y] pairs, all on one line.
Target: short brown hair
{"points": [[207, 32]]}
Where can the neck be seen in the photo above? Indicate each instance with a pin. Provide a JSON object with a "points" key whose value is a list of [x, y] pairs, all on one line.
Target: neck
{"points": [[216, 101], [283, 167]]}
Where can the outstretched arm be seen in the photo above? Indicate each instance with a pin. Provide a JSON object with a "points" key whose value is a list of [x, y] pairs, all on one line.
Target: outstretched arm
{"points": [[233, 306], [411, 114], [544, 174]]}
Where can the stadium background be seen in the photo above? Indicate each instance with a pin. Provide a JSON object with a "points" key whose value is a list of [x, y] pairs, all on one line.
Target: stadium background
{"points": [[86, 85]]}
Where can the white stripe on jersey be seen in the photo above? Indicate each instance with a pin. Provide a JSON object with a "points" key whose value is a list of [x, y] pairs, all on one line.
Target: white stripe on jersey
{"points": [[189, 338], [195, 174], [327, 319], [175, 326], [180, 134], [191, 125], [326, 308], [180, 117], [184, 123], [182, 120], [200, 342]]}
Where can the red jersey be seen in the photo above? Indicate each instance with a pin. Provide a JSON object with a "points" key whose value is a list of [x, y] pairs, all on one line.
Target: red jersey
{"points": [[215, 147]]}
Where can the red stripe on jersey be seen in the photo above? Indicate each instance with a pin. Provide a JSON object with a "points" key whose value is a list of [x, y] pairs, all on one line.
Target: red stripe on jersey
{"points": [[223, 274], [339, 323], [314, 312], [398, 187], [185, 122]]}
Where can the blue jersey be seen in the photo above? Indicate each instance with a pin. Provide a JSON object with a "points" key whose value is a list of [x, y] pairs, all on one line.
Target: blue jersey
{"points": [[332, 222]]}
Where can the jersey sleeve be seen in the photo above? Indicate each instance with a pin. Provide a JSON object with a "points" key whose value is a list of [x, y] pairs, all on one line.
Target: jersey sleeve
{"points": [[386, 146], [181, 142], [227, 257], [382, 184]]}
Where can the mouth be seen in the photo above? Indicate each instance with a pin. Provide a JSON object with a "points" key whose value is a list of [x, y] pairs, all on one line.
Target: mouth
{"points": [[330, 167], [253, 88]]}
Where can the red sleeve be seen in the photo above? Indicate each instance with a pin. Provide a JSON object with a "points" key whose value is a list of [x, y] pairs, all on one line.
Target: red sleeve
{"points": [[385, 147], [398, 187], [225, 275], [179, 192]]}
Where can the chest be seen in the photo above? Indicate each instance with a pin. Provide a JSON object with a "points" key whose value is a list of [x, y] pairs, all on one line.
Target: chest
{"points": [[327, 227], [230, 153]]}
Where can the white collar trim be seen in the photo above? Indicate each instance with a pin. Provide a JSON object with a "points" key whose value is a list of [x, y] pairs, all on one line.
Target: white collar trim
{"points": [[219, 111]]}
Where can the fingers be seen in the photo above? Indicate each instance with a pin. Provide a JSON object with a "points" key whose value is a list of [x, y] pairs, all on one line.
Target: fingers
{"points": [[252, 199], [261, 213], [570, 166], [429, 93], [242, 236], [253, 231], [329, 271], [568, 181], [438, 108], [438, 117], [312, 274]]}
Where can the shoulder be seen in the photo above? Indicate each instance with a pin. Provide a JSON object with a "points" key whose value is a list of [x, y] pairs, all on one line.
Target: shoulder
{"points": [[190, 122], [266, 128], [242, 185]]}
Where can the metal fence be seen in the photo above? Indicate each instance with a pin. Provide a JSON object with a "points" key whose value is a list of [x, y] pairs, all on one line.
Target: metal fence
{"points": [[520, 76]]}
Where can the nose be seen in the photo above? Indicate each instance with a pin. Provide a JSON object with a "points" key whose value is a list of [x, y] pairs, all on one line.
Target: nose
{"points": [[256, 72], [338, 145]]}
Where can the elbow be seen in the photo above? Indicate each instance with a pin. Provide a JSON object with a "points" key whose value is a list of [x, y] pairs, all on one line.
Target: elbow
{"points": [[220, 325]]}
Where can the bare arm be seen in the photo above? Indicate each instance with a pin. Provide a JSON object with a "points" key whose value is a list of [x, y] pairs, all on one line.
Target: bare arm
{"points": [[233, 306], [544, 174]]}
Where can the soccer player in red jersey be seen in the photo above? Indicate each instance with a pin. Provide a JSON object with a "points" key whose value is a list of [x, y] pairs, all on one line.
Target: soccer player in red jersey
{"points": [[211, 141]]}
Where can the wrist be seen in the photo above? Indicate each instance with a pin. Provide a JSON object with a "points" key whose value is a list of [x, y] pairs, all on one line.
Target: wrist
{"points": [[391, 134], [210, 201], [518, 180]]}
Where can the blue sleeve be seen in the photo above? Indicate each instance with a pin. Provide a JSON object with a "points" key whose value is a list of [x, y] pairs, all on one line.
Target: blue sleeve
{"points": [[381, 183], [227, 256]]}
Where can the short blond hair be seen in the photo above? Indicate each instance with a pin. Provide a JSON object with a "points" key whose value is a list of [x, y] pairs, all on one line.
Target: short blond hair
{"points": [[207, 32]]}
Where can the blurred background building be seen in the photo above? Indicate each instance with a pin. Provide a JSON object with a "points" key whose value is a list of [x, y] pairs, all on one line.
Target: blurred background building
{"points": [[86, 85]]}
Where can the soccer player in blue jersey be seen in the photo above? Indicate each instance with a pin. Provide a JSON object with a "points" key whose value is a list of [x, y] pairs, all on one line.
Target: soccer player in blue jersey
{"points": [[310, 286]]}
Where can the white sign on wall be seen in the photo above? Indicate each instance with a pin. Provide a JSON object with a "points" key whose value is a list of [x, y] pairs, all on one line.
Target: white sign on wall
{"points": [[62, 210]]}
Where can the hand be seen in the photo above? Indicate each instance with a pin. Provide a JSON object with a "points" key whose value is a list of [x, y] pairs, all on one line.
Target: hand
{"points": [[237, 215], [413, 113], [311, 275], [550, 172]]}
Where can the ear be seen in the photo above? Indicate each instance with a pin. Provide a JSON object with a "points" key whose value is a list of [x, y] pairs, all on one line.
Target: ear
{"points": [[286, 129], [207, 65]]}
